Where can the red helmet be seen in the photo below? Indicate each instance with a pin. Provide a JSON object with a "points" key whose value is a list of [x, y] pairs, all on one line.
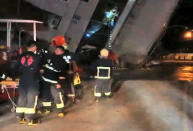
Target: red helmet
{"points": [[59, 41]]}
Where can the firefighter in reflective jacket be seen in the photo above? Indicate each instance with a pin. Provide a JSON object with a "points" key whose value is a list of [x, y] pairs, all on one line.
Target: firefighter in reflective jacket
{"points": [[45, 94], [52, 71], [28, 68], [102, 69], [72, 78]]}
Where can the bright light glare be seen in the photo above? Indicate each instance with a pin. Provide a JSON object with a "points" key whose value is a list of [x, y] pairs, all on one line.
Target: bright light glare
{"points": [[188, 35], [112, 23], [88, 35], [109, 14]]}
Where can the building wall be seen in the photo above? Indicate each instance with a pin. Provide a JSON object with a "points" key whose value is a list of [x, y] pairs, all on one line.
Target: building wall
{"points": [[58, 7], [49, 33], [142, 28], [75, 16], [80, 22]]}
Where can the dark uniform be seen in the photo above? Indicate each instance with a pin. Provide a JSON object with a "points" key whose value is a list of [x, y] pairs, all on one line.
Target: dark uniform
{"points": [[102, 70], [45, 94], [28, 67], [72, 82], [44, 55], [52, 70]]}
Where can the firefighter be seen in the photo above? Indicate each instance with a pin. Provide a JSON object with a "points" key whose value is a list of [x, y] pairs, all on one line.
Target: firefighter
{"points": [[45, 93], [102, 69], [73, 86], [52, 71], [28, 68], [72, 78]]}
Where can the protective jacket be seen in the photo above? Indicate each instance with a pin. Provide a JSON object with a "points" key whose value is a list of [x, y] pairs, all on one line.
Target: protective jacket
{"points": [[28, 68], [53, 69], [102, 68]]}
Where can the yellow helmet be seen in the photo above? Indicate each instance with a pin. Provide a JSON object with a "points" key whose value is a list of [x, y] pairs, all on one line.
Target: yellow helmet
{"points": [[104, 52]]}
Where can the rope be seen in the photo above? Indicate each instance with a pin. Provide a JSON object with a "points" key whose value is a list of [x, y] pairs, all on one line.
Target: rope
{"points": [[12, 102]]}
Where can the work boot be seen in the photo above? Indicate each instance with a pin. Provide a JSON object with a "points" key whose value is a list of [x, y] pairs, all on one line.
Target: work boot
{"points": [[22, 121], [39, 112], [61, 114], [33, 122], [108, 96], [47, 112], [97, 100]]}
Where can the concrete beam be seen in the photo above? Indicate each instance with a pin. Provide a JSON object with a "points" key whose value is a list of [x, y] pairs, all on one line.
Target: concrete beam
{"points": [[77, 27], [140, 30], [50, 33]]}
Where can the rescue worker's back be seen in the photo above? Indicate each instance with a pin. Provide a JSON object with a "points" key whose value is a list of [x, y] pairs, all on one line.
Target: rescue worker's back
{"points": [[28, 65]]}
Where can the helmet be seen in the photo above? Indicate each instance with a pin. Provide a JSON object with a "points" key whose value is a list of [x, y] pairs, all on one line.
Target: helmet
{"points": [[104, 52], [59, 41]]}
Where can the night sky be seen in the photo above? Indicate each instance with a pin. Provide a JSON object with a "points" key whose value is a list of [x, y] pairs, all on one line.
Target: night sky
{"points": [[173, 40], [183, 14]]}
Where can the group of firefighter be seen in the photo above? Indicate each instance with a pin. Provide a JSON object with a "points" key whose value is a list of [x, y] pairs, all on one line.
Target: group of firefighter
{"points": [[49, 75]]}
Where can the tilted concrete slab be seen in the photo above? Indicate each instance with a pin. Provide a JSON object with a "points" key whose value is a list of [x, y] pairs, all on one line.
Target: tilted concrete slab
{"points": [[142, 28]]}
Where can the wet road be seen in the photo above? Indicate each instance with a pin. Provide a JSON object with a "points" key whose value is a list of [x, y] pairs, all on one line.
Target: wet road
{"points": [[170, 72], [148, 99]]}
